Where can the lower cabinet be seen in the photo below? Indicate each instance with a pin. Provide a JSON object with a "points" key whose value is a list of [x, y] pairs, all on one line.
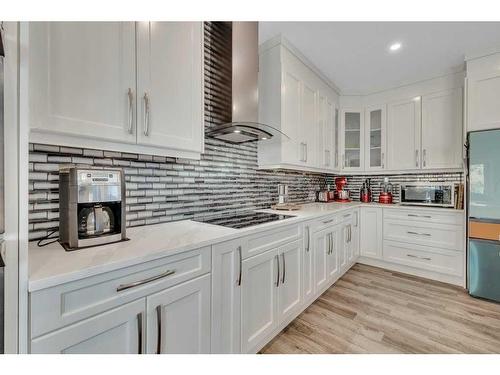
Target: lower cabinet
{"points": [[117, 331], [327, 248], [271, 293], [178, 318], [371, 239]]}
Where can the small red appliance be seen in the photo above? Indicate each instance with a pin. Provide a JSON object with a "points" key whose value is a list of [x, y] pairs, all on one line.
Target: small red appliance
{"points": [[365, 193], [341, 194], [385, 196]]}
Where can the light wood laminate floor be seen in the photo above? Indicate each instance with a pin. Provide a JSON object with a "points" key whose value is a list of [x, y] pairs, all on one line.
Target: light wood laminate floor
{"points": [[372, 310]]}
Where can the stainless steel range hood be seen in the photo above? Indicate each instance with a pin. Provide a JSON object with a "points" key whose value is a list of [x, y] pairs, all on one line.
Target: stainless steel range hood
{"points": [[244, 126]]}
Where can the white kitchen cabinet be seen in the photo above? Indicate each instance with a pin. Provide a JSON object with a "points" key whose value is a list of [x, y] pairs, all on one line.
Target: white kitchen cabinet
{"points": [[117, 331], [170, 85], [483, 91], [355, 225], [442, 130], [403, 134], [321, 248], [326, 138], [336, 138], [371, 237], [226, 297], [119, 86], [178, 318], [308, 264], [82, 79], [375, 137], [352, 140], [296, 100], [290, 288], [259, 298]]}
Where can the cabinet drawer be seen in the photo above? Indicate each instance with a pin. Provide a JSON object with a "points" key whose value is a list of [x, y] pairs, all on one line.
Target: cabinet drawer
{"points": [[437, 235], [424, 257], [64, 304], [417, 214], [263, 241], [323, 223]]}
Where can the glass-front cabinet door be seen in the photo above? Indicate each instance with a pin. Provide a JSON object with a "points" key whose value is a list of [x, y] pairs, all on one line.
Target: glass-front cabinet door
{"points": [[375, 120], [336, 138], [352, 125]]}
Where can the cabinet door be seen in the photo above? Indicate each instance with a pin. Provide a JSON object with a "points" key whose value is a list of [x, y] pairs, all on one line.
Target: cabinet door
{"points": [[290, 289], [259, 296], [336, 137], [292, 150], [355, 235], [321, 249], [375, 124], [82, 79], [226, 297], [326, 132], [343, 248], [403, 134], [178, 319], [442, 130], [170, 85], [333, 255], [308, 125], [371, 232], [308, 265], [352, 135], [117, 331], [483, 90]]}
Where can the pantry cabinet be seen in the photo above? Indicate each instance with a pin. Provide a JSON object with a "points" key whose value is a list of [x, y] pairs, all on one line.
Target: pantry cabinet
{"points": [[120, 86], [117, 331], [442, 130]]}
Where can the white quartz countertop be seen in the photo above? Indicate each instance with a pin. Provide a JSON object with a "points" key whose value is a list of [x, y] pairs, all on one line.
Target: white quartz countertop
{"points": [[52, 265]]}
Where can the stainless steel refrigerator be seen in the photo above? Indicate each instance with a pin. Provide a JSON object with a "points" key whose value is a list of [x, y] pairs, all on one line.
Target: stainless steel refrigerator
{"points": [[484, 214]]}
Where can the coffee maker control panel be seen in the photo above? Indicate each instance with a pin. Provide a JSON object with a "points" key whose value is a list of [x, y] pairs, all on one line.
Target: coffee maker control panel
{"points": [[92, 177]]}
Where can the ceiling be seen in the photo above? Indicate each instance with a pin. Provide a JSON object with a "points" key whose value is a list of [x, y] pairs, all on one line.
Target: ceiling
{"points": [[356, 56]]}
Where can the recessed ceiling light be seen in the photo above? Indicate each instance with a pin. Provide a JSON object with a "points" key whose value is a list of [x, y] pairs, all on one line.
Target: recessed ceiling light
{"points": [[237, 131], [395, 46], [264, 138]]}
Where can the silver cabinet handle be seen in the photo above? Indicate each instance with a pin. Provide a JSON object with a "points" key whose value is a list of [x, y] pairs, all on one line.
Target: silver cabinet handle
{"points": [[346, 215], [241, 264], [382, 157], [416, 158], [329, 244], [145, 281], [417, 257], [284, 268], [424, 216], [139, 332], [308, 239], [130, 110], [278, 277], [305, 152], [302, 152], [146, 114], [159, 311], [328, 221], [336, 159], [356, 221], [424, 156], [350, 233], [419, 234]]}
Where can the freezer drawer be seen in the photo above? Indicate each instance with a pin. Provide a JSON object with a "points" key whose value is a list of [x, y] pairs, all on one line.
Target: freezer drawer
{"points": [[484, 269]]}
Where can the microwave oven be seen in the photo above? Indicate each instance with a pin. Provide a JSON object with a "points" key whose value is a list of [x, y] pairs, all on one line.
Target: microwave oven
{"points": [[441, 194]]}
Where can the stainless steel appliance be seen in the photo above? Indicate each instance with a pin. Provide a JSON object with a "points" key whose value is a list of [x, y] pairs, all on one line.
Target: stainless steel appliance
{"points": [[483, 265], [282, 194], [243, 219], [92, 207], [441, 194]]}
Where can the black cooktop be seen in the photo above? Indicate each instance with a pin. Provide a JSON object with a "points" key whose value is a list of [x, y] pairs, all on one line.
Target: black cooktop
{"points": [[243, 219]]}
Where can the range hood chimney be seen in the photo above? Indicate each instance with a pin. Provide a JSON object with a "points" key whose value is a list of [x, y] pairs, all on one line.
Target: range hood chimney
{"points": [[244, 126]]}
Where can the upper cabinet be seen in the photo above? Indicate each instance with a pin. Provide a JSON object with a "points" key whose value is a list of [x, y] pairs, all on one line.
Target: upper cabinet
{"points": [[375, 137], [442, 130], [296, 100], [403, 134], [122, 86], [353, 140], [82, 79], [483, 90]]}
